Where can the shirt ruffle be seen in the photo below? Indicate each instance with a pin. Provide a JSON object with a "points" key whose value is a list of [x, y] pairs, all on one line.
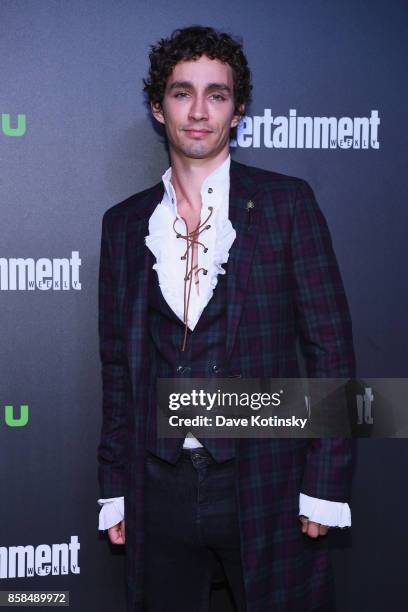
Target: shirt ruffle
{"points": [[325, 512], [111, 513], [167, 249]]}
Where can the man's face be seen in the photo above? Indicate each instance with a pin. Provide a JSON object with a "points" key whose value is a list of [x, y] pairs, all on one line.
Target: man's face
{"points": [[198, 108]]}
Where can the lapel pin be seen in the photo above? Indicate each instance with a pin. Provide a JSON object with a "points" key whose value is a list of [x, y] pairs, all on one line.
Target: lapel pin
{"points": [[249, 206]]}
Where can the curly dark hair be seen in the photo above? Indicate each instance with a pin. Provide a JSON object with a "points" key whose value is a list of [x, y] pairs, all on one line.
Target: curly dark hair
{"points": [[190, 44]]}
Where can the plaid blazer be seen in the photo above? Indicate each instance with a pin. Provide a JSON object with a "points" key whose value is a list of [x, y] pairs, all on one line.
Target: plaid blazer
{"points": [[283, 284]]}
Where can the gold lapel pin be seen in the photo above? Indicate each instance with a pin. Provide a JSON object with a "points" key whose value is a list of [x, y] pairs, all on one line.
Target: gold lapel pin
{"points": [[250, 205]]}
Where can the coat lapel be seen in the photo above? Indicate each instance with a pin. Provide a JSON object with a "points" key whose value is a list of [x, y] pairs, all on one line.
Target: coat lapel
{"points": [[244, 214]]}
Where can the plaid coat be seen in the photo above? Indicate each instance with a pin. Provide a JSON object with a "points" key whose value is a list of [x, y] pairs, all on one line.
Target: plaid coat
{"points": [[283, 283]]}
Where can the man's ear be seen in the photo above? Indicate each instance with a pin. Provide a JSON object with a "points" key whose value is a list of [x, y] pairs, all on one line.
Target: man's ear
{"points": [[157, 111], [237, 118]]}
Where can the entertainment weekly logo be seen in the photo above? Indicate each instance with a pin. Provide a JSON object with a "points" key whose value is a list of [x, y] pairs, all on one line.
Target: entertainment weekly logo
{"points": [[295, 132], [41, 560], [18, 274]]}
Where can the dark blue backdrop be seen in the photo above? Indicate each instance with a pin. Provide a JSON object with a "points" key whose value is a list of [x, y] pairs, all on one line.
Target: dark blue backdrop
{"points": [[74, 70]]}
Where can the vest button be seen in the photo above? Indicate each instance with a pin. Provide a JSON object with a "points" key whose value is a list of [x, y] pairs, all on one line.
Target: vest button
{"points": [[183, 369], [216, 369]]}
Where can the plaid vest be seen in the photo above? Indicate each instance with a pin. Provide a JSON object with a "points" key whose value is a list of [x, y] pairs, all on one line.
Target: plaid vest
{"points": [[203, 357]]}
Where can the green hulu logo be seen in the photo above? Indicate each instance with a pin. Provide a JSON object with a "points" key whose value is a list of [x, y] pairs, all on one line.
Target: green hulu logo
{"points": [[16, 420], [15, 128]]}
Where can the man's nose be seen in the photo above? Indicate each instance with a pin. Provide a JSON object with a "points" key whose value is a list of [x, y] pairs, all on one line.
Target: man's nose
{"points": [[198, 109]]}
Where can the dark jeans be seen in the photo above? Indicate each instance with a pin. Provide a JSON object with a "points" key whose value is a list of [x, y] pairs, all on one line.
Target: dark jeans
{"points": [[191, 517]]}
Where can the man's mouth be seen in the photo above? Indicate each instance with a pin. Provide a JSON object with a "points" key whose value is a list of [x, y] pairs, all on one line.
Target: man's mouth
{"points": [[197, 131]]}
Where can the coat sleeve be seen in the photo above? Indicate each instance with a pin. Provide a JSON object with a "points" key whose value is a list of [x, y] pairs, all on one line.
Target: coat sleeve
{"points": [[112, 445], [325, 334]]}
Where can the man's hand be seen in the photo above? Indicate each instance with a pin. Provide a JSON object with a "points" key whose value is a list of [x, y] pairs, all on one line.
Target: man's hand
{"points": [[117, 533], [312, 529]]}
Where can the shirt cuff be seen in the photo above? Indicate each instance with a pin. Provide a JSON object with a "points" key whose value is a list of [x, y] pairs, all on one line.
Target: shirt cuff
{"points": [[112, 512], [325, 512]]}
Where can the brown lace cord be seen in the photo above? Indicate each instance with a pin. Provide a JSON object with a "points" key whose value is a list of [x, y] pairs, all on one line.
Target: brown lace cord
{"points": [[191, 239]]}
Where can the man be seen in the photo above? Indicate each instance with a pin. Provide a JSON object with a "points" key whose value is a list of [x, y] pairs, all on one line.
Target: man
{"points": [[244, 267]]}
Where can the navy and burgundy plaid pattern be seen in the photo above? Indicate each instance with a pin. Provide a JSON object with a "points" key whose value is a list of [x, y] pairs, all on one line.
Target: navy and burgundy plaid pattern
{"points": [[282, 283]]}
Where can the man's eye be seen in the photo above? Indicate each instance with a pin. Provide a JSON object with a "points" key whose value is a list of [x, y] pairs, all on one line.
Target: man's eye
{"points": [[181, 94], [218, 97]]}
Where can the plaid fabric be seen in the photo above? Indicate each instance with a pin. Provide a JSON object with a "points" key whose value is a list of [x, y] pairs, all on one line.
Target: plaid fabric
{"points": [[282, 283]]}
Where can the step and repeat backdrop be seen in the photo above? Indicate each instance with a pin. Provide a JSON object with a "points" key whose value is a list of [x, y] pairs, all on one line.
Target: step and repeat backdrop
{"points": [[329, 106]]}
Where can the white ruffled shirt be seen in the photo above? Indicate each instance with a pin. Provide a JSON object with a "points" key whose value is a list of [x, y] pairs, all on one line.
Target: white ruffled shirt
{"points": [[170, 268], [168, 249]]}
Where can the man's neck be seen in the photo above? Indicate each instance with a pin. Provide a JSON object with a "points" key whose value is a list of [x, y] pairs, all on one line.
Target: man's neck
{"points": [[188, 175]]}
